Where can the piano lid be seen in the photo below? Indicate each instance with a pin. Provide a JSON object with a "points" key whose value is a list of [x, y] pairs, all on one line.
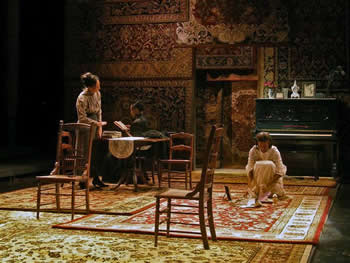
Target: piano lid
{"points": [[296, 115]]}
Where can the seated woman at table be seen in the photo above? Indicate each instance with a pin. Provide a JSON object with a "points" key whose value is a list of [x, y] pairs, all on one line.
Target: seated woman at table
{"points": [[265, 169], [140, 124]]}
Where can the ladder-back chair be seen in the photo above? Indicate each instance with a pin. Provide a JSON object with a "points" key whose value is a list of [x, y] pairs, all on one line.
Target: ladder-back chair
{"points": [[72, 167], [201, 197], [178, 167]]}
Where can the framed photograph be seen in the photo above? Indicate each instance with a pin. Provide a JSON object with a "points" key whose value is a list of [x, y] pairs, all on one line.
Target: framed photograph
{"points": [[279, 95], [309, 89]]}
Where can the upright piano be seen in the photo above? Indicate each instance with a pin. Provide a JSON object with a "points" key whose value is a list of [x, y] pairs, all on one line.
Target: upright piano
{"points": [[305, 132]]}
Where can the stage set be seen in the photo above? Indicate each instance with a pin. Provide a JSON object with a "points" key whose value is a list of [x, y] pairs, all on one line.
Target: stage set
{"points": [[240, 66]]}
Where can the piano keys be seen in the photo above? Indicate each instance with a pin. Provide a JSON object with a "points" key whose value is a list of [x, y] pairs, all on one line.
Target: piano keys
{"points": [[305, 132]]}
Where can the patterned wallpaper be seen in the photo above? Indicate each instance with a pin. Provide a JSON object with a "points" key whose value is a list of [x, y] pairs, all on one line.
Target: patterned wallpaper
{"points": [[156, 50], [235, 21], [167, 103]]}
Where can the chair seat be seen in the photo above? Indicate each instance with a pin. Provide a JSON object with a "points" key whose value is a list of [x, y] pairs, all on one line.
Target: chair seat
{"points": [[57, 178], [178, 194]]}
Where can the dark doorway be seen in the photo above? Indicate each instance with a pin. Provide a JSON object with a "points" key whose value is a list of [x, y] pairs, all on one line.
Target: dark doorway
{"points": [[231, 104]]}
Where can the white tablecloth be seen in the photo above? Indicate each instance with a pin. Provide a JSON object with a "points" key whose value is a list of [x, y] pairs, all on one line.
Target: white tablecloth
{"points": [[122, 147]]}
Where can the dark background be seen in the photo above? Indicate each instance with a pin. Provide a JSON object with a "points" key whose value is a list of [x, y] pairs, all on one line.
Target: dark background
{"points": [[40, 73]]}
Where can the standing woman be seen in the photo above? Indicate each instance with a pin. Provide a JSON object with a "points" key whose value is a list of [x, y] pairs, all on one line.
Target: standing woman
{"points": [[89, 111]]}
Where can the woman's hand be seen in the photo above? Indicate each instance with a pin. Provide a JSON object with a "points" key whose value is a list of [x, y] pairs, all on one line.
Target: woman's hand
{"points": [[99, 125]]}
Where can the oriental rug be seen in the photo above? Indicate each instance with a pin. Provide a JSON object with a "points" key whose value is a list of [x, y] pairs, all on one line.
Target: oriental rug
{"points": [[180, 66], [238, 176], [290, 189], [239, 57], [231, 22], [124, 201], [299, 219], [141, 11], [25, 239]]}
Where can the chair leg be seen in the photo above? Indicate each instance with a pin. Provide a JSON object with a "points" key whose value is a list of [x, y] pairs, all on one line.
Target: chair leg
{"points": [[87, 200], [169, 175], [168, 217], [73, 200], [211, 219], [190, 178], [58, 197], [38, 200], [153, 170], [159, 175], [156, 223], [202, 226]]}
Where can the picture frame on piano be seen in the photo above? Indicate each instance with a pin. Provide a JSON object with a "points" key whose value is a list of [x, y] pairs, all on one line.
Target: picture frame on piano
{"points": [[309, 89], [279, 95]]}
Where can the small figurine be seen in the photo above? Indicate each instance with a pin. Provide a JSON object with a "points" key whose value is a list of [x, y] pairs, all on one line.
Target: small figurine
{"points": [[295, 89]]}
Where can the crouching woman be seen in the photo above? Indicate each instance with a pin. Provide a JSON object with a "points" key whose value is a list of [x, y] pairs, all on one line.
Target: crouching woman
{"points": [[265, 170]]}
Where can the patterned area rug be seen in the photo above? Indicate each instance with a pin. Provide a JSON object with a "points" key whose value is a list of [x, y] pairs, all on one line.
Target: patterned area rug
{"points": [[240, 178], [298, 219], [25, 239], [124, 201], [290, 189]]}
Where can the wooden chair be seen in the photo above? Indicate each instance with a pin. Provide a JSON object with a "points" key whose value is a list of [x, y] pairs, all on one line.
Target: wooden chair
{"points": [[179, 164], [202, 195], [72, 166]]}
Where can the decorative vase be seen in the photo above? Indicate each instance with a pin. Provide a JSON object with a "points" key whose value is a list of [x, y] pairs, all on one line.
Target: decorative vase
{"points": [[295, 89], [285, 92], [271, 93]]}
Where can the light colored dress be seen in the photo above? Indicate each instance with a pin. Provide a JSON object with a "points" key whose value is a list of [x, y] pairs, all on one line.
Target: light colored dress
{"points": [[265, 166], [89, 107], [89, 111]]}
